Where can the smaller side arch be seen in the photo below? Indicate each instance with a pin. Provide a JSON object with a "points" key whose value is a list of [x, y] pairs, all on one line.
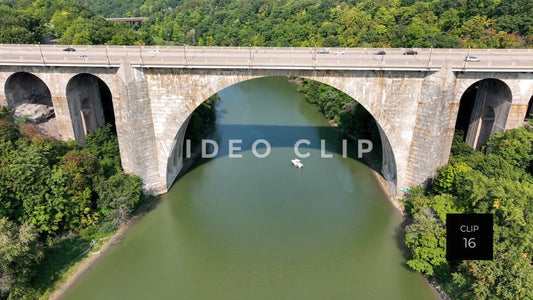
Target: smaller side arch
{"points": [[90, 104], [483, 111], [24, 87]]}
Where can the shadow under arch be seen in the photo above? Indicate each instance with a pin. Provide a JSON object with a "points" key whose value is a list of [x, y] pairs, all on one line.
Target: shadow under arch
{"points": [[90, 104], [24, 87], [176, 155], [529, 111], [483, 110]]}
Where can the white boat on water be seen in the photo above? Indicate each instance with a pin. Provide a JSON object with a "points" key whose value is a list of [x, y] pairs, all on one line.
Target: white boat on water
{"points": [[297, 163]]}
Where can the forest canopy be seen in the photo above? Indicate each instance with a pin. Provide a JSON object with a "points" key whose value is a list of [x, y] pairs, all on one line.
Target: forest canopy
{"points": [[367, 23]]}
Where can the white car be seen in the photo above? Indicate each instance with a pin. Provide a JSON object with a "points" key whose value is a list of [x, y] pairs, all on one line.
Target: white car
{"points": [[339, 52], [471, 58]]}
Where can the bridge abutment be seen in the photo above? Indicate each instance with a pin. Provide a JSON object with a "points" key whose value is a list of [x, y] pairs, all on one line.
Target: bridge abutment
{"points": [[433, 129], [135, 129]]}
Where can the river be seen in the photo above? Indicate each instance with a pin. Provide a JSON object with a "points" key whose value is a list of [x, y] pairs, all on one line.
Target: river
{"points": [[259, 228]]}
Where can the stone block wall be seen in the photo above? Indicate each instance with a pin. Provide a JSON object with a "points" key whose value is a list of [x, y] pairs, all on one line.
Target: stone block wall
{"points": [[416, 110]]}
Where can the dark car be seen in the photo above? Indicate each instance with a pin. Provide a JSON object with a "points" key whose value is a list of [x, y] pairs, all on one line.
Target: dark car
{"points": [[410, 52], [69, 49], [471, 58], [322, 51], [380, 52]]}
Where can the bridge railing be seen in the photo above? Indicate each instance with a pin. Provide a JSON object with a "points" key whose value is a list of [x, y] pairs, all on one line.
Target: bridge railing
{"points": [[268, 58]]}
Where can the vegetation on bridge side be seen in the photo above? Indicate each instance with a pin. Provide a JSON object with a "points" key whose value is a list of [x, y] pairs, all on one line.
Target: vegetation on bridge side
{"points": [[308, 23], [499, 182], [58, 201], [202, 120], [344, 112]]}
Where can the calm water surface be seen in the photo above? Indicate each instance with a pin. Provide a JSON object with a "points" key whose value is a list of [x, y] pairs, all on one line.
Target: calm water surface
{"points": [[253, 228]]}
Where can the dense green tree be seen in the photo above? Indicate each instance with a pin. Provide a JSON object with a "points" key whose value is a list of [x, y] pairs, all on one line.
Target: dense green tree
{"points": [[19, 26], [425, 236], [36, 191], [62, 20], [27, 188], [95, 31], [124, 35], [80, 173], [118, 196], [116, 8], [19, 250], [103, 144], [515, 146], [449, 177], [9, 131]]}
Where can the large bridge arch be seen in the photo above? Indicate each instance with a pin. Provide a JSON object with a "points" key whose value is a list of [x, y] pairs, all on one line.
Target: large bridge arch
{"points": [[90, 104], [174, 159], [414, 109]]}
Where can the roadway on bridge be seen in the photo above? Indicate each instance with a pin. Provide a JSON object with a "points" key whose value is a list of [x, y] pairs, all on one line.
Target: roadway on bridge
{"points": [[513, 60]]}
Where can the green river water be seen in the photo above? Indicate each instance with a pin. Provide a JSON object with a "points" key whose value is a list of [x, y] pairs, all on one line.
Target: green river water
{"points": [[252, 228]]}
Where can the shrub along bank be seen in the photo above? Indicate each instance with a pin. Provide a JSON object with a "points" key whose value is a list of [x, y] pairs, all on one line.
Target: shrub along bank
{"points": [[58, 200]]}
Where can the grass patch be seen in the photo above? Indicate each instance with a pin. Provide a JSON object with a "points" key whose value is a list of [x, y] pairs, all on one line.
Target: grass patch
{"points": [[61, 260]]}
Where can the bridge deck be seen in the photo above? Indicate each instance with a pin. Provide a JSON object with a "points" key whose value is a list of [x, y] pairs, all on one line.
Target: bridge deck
{"points": [[507, 60]]}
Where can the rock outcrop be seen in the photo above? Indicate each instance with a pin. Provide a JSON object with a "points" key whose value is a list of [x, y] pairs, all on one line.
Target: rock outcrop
{"points": [[36, 113]]}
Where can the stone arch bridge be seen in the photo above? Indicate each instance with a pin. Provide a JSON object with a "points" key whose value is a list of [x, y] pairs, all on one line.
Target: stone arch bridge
{"points": [[150, 92]]}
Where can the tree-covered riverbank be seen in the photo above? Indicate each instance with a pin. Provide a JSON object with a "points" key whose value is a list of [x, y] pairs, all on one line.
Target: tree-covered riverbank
{"points": [[499, 182], [62, 202], [345, 113], [59, 201]]}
